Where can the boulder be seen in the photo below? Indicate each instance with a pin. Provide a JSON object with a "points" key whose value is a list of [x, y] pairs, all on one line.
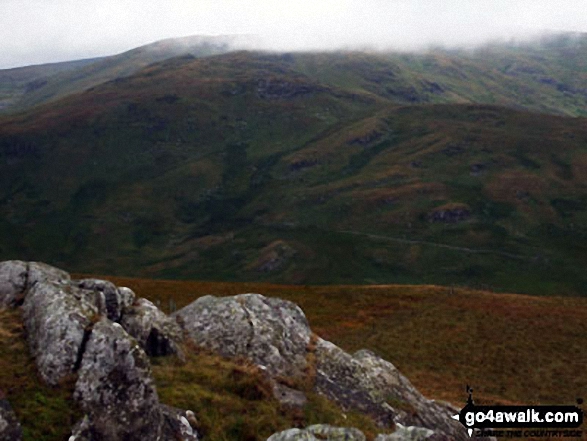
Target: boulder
{"points": [[319, 432], [57, 324], [10, 429], [13, 279], [273, 333], [115, 387], [116, 300], [157, 333]]}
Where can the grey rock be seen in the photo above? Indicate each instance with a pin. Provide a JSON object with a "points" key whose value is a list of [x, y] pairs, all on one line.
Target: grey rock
{"points": [[115, 387], [17, 277], [13, 277], [56, 323], [411, 433], [372, 385], [288, 397], [41, 272], [319, 432], [345, 380], [10, 429], [178, 424], [273, 333], [157, 333], [116, 300]]}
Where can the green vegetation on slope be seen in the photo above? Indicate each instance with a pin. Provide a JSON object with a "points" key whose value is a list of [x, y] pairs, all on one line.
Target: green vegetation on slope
{"points": [[293, 169]]}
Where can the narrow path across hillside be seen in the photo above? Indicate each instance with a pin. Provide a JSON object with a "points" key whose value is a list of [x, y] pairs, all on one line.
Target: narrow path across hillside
{"points": [[435, 244]]}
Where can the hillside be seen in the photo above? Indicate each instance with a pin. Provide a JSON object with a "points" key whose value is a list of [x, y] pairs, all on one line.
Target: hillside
{"points": [[312, 168], [23, 88], [546, 75], [14, 83]]}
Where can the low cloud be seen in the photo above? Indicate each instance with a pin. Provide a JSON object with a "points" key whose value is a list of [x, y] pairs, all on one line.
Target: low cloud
{"points": [[39, 31]]}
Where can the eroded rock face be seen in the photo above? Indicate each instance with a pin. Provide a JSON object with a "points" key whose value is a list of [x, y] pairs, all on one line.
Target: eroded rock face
{"points": [[10, 429], [319, 432], [56, 323], [13, 278], [273, 333], [368, 383], [115, 387], [346, 381], [157, 333]]}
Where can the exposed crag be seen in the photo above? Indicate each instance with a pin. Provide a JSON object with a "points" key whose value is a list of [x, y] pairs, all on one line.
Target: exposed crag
{"points": [[102, 336]]}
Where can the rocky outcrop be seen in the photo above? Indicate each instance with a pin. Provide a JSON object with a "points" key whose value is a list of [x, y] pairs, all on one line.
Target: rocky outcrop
{"points": [[10, 429], [56, 323], [157, 333], [271, 89], [368, 383], [273, 333], [72, 327], [319, 432], [115, 387], [103, 333]]}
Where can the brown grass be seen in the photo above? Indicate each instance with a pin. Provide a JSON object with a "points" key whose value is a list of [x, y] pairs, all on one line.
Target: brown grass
{"points": [[511, 348]]}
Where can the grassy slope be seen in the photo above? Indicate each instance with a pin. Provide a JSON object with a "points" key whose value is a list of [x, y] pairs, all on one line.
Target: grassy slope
{"points": [[30, 86], [14, 83], [440, 338], [265, 167]]}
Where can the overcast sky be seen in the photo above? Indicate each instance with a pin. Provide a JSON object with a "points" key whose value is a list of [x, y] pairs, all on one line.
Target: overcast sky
{"points": [[40, 31]]}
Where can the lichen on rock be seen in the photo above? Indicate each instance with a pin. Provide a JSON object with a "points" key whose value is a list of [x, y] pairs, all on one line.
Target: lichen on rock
{"points": [[56, 323], [115, 387], [273, 333]]}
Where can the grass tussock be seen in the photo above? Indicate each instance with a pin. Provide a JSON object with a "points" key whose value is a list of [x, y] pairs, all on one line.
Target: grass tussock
{"points": [[233, 399]]}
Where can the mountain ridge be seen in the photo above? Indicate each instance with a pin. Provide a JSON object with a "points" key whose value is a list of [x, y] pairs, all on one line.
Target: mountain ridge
{"points": [[251, 165]]}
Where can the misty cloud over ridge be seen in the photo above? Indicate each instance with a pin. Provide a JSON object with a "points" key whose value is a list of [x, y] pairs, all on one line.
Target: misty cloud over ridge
{"points": [[40, 31]]}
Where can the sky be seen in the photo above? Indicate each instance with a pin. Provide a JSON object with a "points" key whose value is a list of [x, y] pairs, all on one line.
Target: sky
{"points": [[41, 31]]}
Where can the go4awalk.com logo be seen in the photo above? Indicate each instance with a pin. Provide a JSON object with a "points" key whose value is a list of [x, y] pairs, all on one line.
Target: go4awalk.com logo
{"points": [[490, 419]]}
